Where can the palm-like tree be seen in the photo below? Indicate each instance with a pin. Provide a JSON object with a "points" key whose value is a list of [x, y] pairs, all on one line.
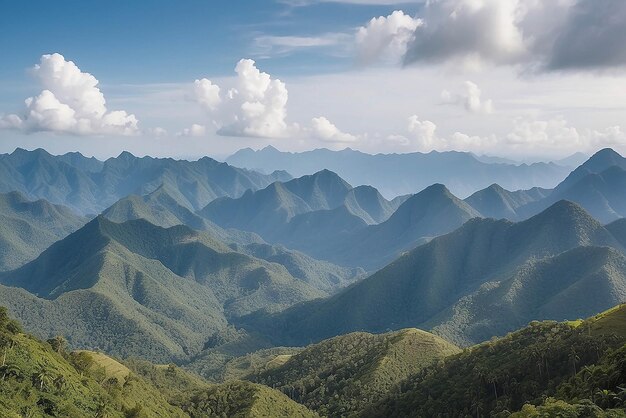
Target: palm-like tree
{"points": [[43, 378]]}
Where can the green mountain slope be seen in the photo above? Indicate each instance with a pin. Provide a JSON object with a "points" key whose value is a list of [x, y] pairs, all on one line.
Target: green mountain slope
{"points": [[245, 400], [418, 286], [112, 286], [338, 377], [162, 209], [545, 359], [577, 282], [28, 227], [39, 381]]}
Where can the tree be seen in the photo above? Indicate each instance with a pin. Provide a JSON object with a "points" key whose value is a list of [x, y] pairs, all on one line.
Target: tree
{"points": [[43, 378], [58, 344]]}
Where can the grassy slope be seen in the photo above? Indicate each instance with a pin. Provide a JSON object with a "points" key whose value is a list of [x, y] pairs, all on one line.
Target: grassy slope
{"points": [[339, 376]]}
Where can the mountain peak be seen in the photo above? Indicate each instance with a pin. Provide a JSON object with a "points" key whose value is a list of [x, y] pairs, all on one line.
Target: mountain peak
{"points": [[603, 159]]}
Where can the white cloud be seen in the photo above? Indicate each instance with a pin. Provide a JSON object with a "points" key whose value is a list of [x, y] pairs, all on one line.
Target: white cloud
{"points": [[255, 107], [271, 45], [527, 138], [158, 132], [385, 38], [207, 94], [537, 34], [324, 130], [195, 130], [422, 136], [71, 102], [423, 133], [471, 99]]}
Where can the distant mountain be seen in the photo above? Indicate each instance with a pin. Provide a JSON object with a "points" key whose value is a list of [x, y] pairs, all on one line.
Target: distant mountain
{"points": [[88, 186], [138, 289], [334, 225], [400, 174], [498, 203], [368, 364], [321, 275], [160, 208], [433, 211], [416, 289], [573, 160], [29, 227], [598, 185]]}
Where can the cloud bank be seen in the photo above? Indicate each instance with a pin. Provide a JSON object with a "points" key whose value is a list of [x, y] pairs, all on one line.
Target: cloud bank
{"points": [[71, 102]]}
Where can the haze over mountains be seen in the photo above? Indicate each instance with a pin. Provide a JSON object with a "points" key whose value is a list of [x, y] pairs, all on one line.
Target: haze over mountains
{"points": [[219, 269], [88, 186], [483, 279], [400, 174]]}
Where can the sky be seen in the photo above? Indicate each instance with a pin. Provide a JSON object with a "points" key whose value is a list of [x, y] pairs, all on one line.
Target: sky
{"points": [[522, 79]]}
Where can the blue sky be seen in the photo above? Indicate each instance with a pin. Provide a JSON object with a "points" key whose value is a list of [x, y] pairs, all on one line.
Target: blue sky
{"points": [[516, 78]]}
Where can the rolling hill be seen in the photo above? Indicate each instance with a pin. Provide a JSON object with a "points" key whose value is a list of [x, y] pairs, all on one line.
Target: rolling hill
{"points": [[139, 289], [441, 275], [339, 376], [88, 187], [29, 227], [401, 174]]}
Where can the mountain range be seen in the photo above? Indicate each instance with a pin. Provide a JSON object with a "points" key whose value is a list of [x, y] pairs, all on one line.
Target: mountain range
{"points": [[88, 186], [483, 279], [139, 289], [29, 227], [400, 174]]}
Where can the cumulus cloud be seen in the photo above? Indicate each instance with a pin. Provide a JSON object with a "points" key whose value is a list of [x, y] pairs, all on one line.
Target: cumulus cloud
{"points": [[422, 136], [195, 130], [255, 107], [385, 38], [71, 102], [470, 99], [207, 94], [538, 34], [528, 137], [325, 130]]}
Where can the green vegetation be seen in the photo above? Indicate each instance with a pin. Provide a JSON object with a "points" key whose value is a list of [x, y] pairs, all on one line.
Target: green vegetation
{"points": [[338, 377], [580, 366], [41, 379], [245, 399], [135, 289]]}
